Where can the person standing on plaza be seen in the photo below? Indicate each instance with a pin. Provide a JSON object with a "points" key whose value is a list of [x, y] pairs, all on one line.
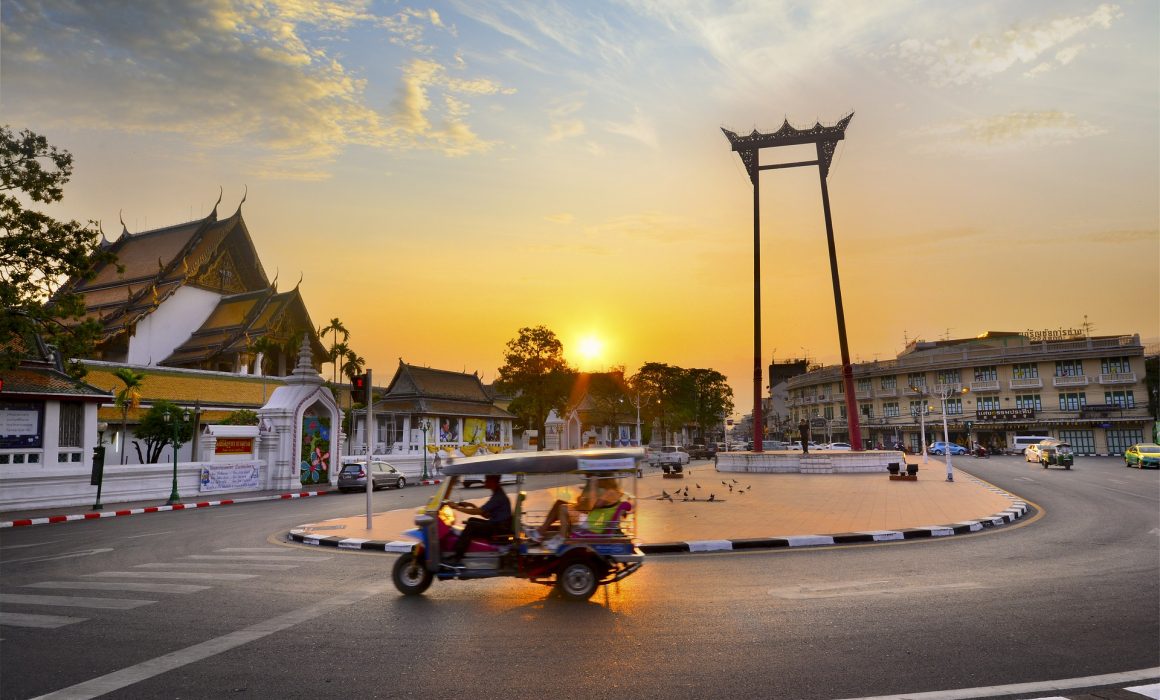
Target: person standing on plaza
{"points": [[804, 430]]}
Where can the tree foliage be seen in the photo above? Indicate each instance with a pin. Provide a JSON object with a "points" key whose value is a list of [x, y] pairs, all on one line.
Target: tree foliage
{"points": [[129, 396], [536, 375], [156, 432], [38, 253], [612, 400], [675, 397], [242, 416]]}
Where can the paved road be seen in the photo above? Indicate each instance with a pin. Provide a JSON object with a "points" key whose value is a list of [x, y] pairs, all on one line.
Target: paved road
{"points": [[218, 607]]}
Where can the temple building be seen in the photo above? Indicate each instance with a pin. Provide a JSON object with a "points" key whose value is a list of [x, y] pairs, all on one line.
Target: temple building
{"points": [[195, 296]]}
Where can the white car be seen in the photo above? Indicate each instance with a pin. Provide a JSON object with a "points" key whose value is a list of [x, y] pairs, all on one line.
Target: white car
{"points": [[837, 446], [1034, 453]]}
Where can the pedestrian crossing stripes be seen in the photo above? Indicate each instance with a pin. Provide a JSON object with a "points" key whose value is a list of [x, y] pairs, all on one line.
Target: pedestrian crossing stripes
{"points": [[196, 574]]}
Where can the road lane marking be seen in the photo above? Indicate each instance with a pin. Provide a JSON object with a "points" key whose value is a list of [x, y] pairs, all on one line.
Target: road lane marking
{"points": [[864, 588], [150, 534], [1152, 690], [23, 546], [70, 601], [1129, 493], [48, 622], [176, 574], [994, 691], [68, 555], [199, 652], [255, 557], [218, 565], [119, 586]]}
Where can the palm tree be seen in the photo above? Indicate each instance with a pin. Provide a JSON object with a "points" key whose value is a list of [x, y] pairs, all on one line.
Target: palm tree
{"points": [[338, 353], [129, 397], [334, 328], [353, 364]]}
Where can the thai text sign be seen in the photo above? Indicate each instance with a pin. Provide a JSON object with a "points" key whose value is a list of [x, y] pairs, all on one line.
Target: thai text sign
{"points": [[1057, 334], [1006, 414], [234, 446], [231, 476]]}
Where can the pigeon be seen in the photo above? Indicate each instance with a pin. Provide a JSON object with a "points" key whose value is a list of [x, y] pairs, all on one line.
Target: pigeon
{"points": [[712, 497], [730, 487], [664, 494], [697, 485], [724, 484], [749, 487], [735, 481]]}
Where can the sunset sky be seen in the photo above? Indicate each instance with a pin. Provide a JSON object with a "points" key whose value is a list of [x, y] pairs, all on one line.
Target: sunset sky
{"points": [[442, 174]]}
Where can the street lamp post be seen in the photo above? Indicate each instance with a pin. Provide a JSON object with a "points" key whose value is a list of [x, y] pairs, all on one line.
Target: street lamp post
{"points": [[174, 498], [922, 419], [425, 425], [944, 394], [98, 479]]}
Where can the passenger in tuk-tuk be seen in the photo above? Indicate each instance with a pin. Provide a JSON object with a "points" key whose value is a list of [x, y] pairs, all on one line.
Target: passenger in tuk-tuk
{"points": [[598, 495], [496, 520]]}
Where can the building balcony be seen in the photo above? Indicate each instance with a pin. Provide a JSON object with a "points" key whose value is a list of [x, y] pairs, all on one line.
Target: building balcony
{"points": [[863, 395], [1075, 380], [1027, 383], [948, 388], [1118, 378], [909, 391], [886, 393], [986, 385]]}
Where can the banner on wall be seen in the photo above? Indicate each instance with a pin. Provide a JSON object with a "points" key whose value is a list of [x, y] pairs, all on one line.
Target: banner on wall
{"points": [[474, 431], [314, 467], [21, 423], [448, 429], [231, 476], [234, 446], [494, 430]]}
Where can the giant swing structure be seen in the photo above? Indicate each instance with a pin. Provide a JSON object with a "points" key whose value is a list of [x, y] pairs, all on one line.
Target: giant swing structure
{"points": [[825, 140]]}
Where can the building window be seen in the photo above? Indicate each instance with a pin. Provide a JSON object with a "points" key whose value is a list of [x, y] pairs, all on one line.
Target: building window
{"points": [[986, 374], [954, 407], [1028, 401], [72, 424], [842, 410], [1120, 440], [1026, 370], [1083, 442], [1123, 399], [866, 409], [947, 376], [889, 382], [1072, 402], [916, 379], [1115, 365], [890, 409], [828, 412], [916, 407], [864, 385], [989, 403], [1069, 368]]}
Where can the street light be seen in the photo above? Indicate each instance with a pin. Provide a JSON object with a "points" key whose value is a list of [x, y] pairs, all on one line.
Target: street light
{"points": [[175, 499], [98, 479], [425, 425], [946, 392], [922, 418]]}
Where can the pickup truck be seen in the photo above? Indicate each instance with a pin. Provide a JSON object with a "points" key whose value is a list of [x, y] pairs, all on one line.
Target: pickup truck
{"points": [[670, 458]]}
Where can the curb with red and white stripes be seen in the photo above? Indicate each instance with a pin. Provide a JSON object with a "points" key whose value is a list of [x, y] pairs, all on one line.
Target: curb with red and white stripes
{"points": [[52, 519]]}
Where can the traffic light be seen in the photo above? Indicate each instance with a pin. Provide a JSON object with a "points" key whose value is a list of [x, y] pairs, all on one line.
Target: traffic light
{"points": [[359, 390]]}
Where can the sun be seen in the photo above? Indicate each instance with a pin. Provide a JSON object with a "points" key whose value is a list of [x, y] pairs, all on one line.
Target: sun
{"points": [[590, 349]]}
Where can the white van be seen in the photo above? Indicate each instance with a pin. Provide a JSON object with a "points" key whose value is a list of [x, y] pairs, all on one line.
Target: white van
{"points": [[1021, 442]]}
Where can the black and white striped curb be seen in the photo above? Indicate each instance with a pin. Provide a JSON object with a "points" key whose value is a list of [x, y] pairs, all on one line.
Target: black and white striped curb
{"points": [[1017, 510]]}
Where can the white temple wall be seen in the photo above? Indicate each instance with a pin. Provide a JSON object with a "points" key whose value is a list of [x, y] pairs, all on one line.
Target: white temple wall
{"points": [[159, 333]]}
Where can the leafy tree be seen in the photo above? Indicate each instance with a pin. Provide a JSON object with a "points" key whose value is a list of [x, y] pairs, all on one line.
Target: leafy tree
{"points": [[128, 397], [242, 416], [675, 397], [657, 385], [711, 397], [156, 432], [536, 375], [611, 399], [335, 327], [352, 365], [38, 254]]}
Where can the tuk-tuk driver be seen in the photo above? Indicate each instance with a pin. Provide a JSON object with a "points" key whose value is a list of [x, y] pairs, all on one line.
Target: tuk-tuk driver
{"points": [[496, 520]]}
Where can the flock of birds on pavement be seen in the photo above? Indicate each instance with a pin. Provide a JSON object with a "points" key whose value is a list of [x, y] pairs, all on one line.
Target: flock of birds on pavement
{"points": [[733, 485]]}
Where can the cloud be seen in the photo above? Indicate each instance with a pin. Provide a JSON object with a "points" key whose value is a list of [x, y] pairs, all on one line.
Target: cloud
{"points": [[640, 128], [563, 218], [1124, 236], [564, 123], [266, 76], [1008, 132], [950, 62]]}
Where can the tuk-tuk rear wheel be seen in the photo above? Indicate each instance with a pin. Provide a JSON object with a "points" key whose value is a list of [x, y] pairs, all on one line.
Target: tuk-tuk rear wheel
{"points": [[577, 580], [409, 575]]}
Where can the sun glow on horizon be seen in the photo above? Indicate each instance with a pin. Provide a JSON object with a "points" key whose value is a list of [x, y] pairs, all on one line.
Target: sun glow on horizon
{"points": [[589, 352]]}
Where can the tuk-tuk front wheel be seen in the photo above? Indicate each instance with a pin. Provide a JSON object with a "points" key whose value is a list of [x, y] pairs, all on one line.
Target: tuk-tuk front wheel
{"points": [[577, 580], [409, 575]]}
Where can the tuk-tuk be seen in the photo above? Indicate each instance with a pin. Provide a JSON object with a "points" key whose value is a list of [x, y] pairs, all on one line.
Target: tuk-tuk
{"points": [[583, 547], [1059, 454]]}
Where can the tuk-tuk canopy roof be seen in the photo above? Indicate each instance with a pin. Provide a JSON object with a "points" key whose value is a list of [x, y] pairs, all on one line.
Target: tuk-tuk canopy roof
{"points": [[548, 462]]}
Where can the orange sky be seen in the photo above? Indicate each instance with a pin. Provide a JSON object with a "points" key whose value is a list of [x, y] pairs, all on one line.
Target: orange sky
{"points": [[443, 174]]}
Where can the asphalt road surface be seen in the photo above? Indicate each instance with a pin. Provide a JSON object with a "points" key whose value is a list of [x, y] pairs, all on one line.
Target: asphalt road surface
{"points": [[214, 603]]}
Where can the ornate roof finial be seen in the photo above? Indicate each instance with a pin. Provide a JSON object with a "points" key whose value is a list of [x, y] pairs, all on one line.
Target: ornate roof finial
{"points": [[301, 276], [221, 191], [124, 228], [245, 192]]}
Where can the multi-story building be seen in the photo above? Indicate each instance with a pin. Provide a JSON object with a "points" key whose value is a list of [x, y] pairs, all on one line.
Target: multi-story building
{"points": [[1088, 391]]}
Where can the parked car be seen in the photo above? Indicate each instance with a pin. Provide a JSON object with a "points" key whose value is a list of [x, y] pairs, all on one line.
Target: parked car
{"points": [[672, 458], [1145, 455], [940, 448], [837, 446], [699, 452], [1059, 454], [1034, 453], [354, 476]]}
